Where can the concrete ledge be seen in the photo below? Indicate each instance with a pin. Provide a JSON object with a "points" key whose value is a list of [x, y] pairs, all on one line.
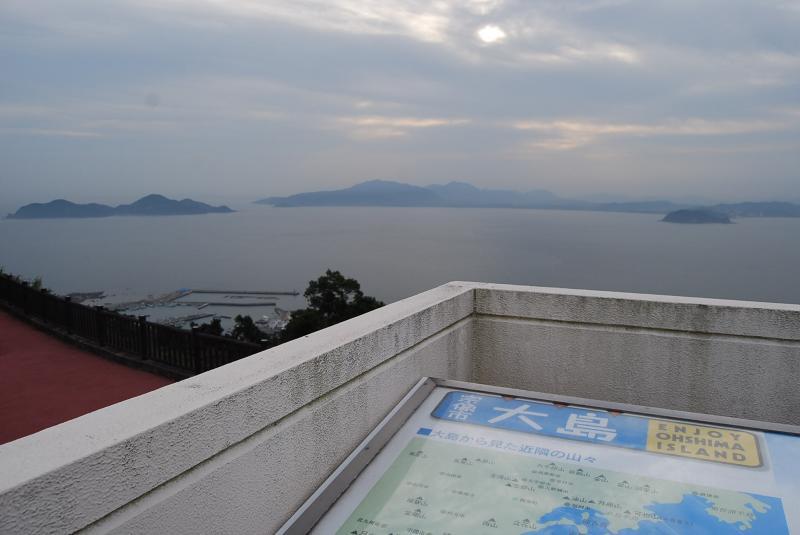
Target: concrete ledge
{"points": [[722, 375], [274, 470], [720, 357], [66, 477], [697, 315]]}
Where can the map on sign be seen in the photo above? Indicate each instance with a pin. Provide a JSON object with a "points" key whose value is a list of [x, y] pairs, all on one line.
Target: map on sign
{"points": [[477, 463], [503, 493]]}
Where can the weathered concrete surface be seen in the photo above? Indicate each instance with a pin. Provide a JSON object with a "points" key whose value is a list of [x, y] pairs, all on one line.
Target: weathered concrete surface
{"points": [[237, 449], [711, 374], [66, 477], [729, 358], [662, 312], [257, 487]]}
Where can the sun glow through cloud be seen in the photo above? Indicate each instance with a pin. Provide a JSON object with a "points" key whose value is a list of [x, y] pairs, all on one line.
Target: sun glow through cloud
{"points": [[491, 34]]}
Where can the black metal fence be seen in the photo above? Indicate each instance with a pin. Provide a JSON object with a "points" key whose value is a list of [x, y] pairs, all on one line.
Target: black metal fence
{"points": [[189, 351]]}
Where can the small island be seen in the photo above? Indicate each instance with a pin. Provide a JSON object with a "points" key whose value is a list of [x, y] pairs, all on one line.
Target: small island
{"points": [[149, 205], [697, 216]]}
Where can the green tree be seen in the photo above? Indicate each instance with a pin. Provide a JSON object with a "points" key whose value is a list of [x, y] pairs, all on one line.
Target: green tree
{"points": [[302, 322], [213, 327], [245, 329], [37, 285], [332, 298]]}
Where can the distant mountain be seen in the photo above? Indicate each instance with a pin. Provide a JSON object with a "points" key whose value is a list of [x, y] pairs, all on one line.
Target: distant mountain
{"points": [[159, 205], [456, 195], [148, 205], [61, 208], [696, 216], [372, 193], [463, 194]]}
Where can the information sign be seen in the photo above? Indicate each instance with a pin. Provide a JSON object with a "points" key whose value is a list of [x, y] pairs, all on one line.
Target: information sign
{"points": [[474, 462], [600, 427]]}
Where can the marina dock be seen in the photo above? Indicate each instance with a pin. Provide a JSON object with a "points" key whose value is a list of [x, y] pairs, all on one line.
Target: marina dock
{"points": [[243, 292]]}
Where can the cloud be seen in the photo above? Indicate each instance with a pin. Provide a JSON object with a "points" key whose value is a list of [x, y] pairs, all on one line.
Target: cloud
{"points": [[570, 134], [426, 21], [402, 122], [374, 126], [308, 87], [23, 110], [529, 34], [49, 132]]}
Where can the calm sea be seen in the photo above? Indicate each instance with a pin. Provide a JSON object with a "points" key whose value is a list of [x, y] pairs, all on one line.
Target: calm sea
{"points": [[397, 252]]}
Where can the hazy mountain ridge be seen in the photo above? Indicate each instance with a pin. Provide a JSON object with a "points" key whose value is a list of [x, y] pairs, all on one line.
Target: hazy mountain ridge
{"points": [[149, 205], [456, 195], [465, 195], [372, 193]]}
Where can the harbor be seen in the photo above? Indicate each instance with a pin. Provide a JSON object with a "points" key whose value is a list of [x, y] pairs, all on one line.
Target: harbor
{"points": [[186, 307]]}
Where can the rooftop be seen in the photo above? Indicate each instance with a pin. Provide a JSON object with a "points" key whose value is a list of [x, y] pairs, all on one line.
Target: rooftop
{"points": [[239, 449]]}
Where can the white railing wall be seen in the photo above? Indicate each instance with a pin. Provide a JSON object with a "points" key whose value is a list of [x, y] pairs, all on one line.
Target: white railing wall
{"points": [[238, 449]]}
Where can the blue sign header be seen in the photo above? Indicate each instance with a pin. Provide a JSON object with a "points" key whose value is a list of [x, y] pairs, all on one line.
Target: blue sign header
{"points": [[667, 437], [525, 416]]}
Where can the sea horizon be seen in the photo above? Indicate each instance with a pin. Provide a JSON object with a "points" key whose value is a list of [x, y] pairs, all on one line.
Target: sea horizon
{"points": [[283, 248]]}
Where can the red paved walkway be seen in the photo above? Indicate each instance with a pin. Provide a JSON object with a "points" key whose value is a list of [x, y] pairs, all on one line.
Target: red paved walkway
{"points": [[44, 381]]}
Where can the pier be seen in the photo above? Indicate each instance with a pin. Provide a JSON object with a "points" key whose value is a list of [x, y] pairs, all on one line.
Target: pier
{"points": [[203, 304], [244, 292]]}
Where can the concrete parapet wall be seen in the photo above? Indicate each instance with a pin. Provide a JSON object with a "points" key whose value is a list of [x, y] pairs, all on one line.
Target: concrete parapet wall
{"points": [[256, 485], [658, 312], [104, 468], [239, 448], [727, 358]]}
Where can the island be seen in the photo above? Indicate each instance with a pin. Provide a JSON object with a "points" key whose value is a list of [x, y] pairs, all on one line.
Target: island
{"points": [[388, 193], [149, 205], [696, 216], [456, 195], [371, 193]]}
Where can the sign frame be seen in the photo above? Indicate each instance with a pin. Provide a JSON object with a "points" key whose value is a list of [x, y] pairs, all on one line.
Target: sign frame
{"points": [[318, 504]]}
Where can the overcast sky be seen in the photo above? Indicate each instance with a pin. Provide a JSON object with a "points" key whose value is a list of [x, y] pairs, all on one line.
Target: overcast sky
{"points": [[240, 99]]}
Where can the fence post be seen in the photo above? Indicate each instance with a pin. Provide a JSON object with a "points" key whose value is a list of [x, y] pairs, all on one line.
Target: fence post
{"points": [[193, 347], [43, 308], [100, 321], [25, 298], [143, 345], [67, 317]]}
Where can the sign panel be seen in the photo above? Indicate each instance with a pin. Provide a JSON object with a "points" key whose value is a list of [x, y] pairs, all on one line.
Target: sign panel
{"points": [[469, 462], [588, 425]]}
